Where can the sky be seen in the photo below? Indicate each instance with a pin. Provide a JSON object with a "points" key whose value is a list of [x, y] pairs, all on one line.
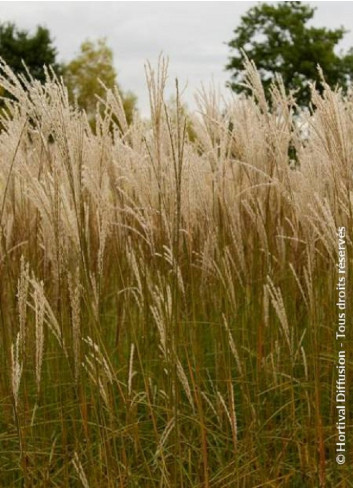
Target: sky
{"points": [[193, 35]]}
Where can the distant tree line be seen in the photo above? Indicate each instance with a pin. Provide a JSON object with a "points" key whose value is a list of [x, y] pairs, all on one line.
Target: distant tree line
{"points": [[278, 37]]}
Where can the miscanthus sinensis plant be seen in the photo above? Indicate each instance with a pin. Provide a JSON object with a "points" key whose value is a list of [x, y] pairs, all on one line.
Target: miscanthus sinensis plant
{"points": [[168, 303]]}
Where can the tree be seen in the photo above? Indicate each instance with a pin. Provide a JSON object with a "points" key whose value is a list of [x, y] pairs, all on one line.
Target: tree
{"points": [[279, 40], [18, 46], [85, 74]]}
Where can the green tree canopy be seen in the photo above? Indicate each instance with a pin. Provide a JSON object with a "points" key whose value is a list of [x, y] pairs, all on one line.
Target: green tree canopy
{"points": [[85, 74], [279, 40], [36, 50]]}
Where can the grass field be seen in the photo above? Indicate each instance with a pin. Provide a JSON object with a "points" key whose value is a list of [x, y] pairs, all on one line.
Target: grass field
{"points": [[168, 290]]}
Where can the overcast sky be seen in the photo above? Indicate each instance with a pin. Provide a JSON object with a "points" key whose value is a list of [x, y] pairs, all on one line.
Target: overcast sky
{"points": [[191, 34]]}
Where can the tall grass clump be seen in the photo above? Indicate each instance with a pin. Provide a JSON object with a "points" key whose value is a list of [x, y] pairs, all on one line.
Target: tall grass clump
{"points": [[167, 303]]}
